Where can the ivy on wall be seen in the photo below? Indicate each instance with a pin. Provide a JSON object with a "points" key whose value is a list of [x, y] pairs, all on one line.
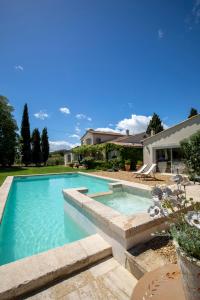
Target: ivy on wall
{"points": [[103, 150]]}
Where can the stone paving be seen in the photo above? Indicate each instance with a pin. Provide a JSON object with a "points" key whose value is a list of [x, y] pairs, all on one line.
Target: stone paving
{"points": [[129, 176], [106, 280]]}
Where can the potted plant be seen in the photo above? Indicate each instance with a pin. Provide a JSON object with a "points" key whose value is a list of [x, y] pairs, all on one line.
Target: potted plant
{"points": [[127, 164], [139, 164], [184, 219]]}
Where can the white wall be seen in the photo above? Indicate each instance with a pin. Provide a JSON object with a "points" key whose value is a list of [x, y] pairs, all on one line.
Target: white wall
{"points": [[170, 138], [95, 136]]}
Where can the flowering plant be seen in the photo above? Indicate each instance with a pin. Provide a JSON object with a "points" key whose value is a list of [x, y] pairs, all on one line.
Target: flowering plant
{"points": [[183, 215]]}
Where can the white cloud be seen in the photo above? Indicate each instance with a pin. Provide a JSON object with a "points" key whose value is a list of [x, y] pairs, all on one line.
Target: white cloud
{"points": [[80, 116], [83, 117], [19, 68], [110, 124], [76, 136], [107, 129], [160, 33], [64, 110], [41, 115], [77, 129], [135, 124], [61, 145]]}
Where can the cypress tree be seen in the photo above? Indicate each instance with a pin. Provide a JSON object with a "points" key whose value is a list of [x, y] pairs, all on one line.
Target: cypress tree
{"points": [[36, 147], [155, 125], [25, 138], [8, 135], [45, 146], [193, 112]]}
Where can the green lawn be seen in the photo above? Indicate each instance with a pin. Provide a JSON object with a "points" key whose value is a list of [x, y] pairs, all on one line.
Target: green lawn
{"points": [[4, 172]]}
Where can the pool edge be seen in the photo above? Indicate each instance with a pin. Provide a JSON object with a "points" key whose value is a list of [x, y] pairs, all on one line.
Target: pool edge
{"points": [[41, 269], [4, 191]]}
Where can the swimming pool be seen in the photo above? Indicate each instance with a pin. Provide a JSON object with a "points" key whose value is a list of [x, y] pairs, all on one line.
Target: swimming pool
{"points": [[126, 203], [34, 218]]}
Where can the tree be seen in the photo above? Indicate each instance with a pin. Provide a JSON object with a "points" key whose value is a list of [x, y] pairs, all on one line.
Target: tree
{"points": [[8, 134], [45, 145], [155, 125], [36, 147], [25, 137], [193, 112], [191, 151]]}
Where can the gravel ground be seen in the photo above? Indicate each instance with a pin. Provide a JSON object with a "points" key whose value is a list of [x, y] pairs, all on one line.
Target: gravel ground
{"points": [[164, 247], [129, 176]]}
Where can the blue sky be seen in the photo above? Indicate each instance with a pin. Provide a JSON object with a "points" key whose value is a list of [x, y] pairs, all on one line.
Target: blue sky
{"points": [[99, 63]]}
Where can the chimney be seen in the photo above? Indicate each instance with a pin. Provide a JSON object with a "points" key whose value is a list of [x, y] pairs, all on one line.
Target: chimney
{"points": [[127, 132], [152, 132]]}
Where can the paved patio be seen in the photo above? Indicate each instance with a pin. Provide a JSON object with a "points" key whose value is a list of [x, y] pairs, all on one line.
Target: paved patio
{"points": [[129, 176], [105, 280]]}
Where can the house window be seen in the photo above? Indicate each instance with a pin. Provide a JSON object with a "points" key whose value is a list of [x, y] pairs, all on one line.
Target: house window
{"points": [[88, 141], [98, 140], [163, 160], [178, 164], [170, 160]]}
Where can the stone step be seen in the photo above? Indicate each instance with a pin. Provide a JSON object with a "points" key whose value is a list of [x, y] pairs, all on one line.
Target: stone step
{"points": [[105, 280], [140, 260], [34, 272]]}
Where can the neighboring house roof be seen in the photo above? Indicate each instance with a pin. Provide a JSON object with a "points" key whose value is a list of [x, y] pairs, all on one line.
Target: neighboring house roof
{"points": [[121, 139], [102, 132], [138, 145], [136, 138], [171, 129]]}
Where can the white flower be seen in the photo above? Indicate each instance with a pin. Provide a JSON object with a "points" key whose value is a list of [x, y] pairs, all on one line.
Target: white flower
{"points": [[193, 218], [157, 211], [157, 192], [156, 199], [167, 192]]}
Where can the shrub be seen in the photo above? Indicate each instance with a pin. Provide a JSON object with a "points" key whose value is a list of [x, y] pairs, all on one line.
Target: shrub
{"points": [[191, 151], [88, 162], [133, 154], [121, 164], [182, 214], [188, 238], [127, 162], [55, 161]]}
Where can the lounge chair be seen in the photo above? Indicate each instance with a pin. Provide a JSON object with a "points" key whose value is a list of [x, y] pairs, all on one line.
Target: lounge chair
{"points": [[138, 172], [147, 174]]}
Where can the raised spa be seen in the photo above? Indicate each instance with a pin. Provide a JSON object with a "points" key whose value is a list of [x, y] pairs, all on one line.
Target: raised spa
{"points": [[127, 203]]}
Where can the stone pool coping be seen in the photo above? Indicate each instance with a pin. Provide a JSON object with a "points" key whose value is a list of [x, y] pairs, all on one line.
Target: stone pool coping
{"points": [[4, 191], [5, 187], [126, 182], [34, 272], [124, 226]]}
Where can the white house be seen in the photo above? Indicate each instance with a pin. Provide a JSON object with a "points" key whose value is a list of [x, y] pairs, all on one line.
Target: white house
{"points": [[163, 148]]}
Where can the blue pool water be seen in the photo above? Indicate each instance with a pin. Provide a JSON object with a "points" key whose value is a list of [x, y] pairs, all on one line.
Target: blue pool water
{"points": [[34, 218], [126, 203]]}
